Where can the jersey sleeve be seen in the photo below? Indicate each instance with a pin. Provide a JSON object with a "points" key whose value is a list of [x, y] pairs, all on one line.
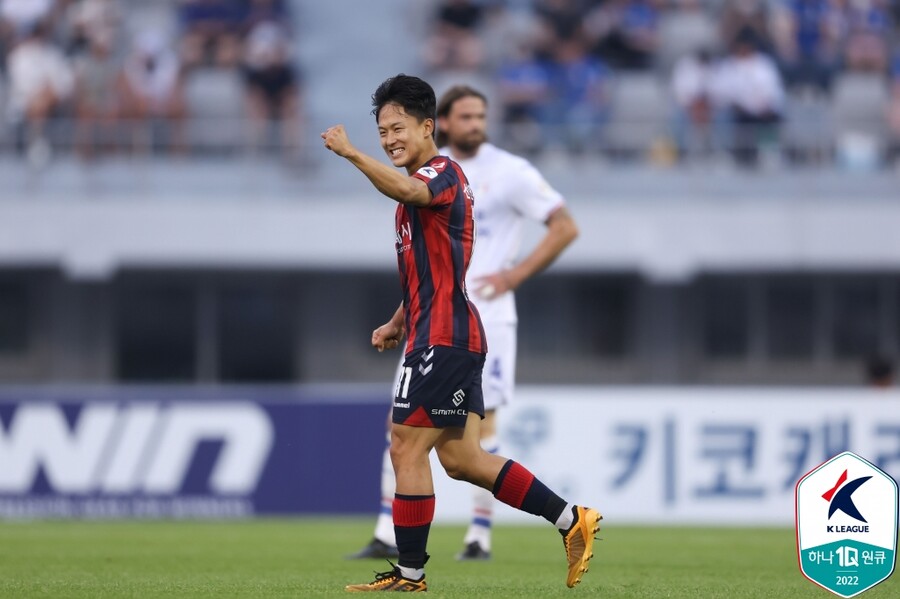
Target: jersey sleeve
{"points": [[533, 196], [439, 181]]}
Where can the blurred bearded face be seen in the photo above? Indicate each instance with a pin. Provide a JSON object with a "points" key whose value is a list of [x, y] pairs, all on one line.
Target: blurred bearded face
{"points": [[466, 124]]}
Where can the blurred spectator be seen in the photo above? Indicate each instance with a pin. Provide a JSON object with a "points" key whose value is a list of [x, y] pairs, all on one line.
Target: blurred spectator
{"points": [[86, 19], [454, 43], [23, 15], [893, 110], [19, 17], [624, 33], [879, 372], [692, 90], [560, 20], [523, 89], [740, 16], [579, 97], [806, 36], [272, 86], [210, 32], [40, 81], [152, 92], [748, 85], [866, 43], [96, 99]]}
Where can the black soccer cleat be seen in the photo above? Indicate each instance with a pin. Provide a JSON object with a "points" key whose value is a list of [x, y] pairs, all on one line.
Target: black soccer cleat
{"points": [[473, 553], [376, 549]]}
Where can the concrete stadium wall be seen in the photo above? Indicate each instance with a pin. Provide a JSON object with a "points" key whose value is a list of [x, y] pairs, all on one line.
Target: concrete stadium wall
{"points": [[661, 239]]}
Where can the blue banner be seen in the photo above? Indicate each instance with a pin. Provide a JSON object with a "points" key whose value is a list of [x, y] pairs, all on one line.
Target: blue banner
{"points": [[190, 452]]}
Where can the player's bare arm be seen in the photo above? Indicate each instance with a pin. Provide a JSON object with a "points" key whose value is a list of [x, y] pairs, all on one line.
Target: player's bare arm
{"points": [[390, 182], [390, 334], [561, 232]]}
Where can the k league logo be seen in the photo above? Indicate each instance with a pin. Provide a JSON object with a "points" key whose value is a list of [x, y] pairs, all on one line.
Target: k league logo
{"points": [[846, 511], [841, 497]]}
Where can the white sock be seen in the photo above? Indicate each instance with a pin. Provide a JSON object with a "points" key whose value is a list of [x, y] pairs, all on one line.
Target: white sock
{"points": [[384, 527], [482, 506], [412, 573], [567, 518]]}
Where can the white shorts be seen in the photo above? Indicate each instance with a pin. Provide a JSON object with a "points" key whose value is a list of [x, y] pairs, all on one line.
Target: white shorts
{"points": [[499, 377]]}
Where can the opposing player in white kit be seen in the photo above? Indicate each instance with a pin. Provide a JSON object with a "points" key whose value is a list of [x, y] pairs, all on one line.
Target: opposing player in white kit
{"points": [[508, 191]]}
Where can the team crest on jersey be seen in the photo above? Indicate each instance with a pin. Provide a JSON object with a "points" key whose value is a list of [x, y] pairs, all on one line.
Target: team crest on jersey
{"points": [[432, 170]]}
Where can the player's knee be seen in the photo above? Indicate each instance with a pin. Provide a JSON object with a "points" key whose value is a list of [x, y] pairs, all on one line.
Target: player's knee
{"points": [[456, 472], [456, 468]]}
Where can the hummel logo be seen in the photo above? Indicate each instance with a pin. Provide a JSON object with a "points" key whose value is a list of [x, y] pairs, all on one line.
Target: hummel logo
{"points": [[458, 397], [426, 357]]}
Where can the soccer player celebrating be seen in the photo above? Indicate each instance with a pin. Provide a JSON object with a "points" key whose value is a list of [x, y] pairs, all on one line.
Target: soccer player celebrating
{"points": [[508, 191], [438, 402]]}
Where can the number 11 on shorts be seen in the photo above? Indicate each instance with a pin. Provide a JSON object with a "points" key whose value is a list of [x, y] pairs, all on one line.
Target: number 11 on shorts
{"points": [[402, 389]]}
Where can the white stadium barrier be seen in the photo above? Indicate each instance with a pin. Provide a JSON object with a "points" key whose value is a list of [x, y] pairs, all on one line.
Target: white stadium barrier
{"points": [[685, 455]]}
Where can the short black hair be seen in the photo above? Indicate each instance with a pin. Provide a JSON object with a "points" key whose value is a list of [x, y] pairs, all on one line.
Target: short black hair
{"points": [[413, 94]]}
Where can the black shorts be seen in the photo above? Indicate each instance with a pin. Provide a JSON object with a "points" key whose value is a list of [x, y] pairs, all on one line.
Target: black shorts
{"points": [[438, 387]]}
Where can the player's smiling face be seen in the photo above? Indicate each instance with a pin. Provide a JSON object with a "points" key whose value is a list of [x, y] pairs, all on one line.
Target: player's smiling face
{"points": [[405, 140]]}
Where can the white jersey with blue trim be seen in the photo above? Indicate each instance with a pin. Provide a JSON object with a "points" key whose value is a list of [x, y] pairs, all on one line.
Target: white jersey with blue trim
{"points": [[508, 192]]}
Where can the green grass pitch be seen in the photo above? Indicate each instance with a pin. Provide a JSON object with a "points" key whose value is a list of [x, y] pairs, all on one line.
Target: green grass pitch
{"points": [[304, 558]]}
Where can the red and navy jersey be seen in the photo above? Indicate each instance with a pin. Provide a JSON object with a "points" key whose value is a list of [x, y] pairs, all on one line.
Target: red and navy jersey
{"points": [[434, 245]]}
